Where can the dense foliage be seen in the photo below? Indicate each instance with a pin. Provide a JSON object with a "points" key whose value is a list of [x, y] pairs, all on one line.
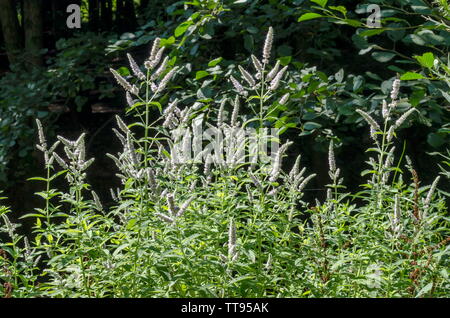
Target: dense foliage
{"points": [[324, 42], [345, 207], [215, 226], [78, 68]]}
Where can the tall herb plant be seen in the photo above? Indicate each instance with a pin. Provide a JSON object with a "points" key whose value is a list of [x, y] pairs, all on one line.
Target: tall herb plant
{"points": [[215, 225]]}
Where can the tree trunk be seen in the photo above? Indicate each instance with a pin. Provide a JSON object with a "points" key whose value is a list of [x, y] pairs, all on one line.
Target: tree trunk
{"points": [[119, 14], [130, 14], [125, 15], [106, 14], [94, 15], [34, 32], [11, 30]]}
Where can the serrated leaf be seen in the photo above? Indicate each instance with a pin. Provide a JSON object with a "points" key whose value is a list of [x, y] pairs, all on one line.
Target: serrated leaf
{"points": [[181, 29], [383, 56], [241, 278], [352, 22], [341, 9], [201, 74], [311, 125], [214, 62], [372, 32], [309, 16], [445, 95], [411, 76], [425, 290], [321, 3], [426, 60]]}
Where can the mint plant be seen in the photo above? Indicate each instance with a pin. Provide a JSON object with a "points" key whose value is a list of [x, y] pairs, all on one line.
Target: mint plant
{"points": [[205, 211]]}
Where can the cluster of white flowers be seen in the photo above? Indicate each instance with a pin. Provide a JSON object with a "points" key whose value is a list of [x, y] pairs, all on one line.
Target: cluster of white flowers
{"points": [[76, 156], [396, 220], [387, 165], [276, 167], [333, 171], [42, 146], [386, 111], [233, 254], [153, 61], [273, 78], [175, 211], [427, 201]]}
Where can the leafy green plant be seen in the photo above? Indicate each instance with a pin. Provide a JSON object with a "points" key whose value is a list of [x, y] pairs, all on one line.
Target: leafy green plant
{"points": [[219, 224], [413, 37]]}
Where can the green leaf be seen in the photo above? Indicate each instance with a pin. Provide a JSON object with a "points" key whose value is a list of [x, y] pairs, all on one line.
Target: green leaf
{"points": [[240, 279], [80, 101], [382, 56], [426, 60], [120, 248], [360, 42], [446, 95], [123, 71], [127, 36], [357, 82], [396, 34], [284, 50], [339, 76], [351, 22], [32, 215], [37, 179], [411, 76], [321, 3], [167, 42], [285, 60], [249, 42], [181, 29], [311, 125], [415, 39], [341, 9], [309, 16], [396, 69], [252, 30], [201, 74], [214, 62], [42, 114], [23, 152], [425, 290], [131, 224], [435, 140], [372, 32]]}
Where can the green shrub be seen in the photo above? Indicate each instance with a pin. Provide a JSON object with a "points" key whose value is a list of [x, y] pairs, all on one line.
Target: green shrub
{"points": [[184, 228]]}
